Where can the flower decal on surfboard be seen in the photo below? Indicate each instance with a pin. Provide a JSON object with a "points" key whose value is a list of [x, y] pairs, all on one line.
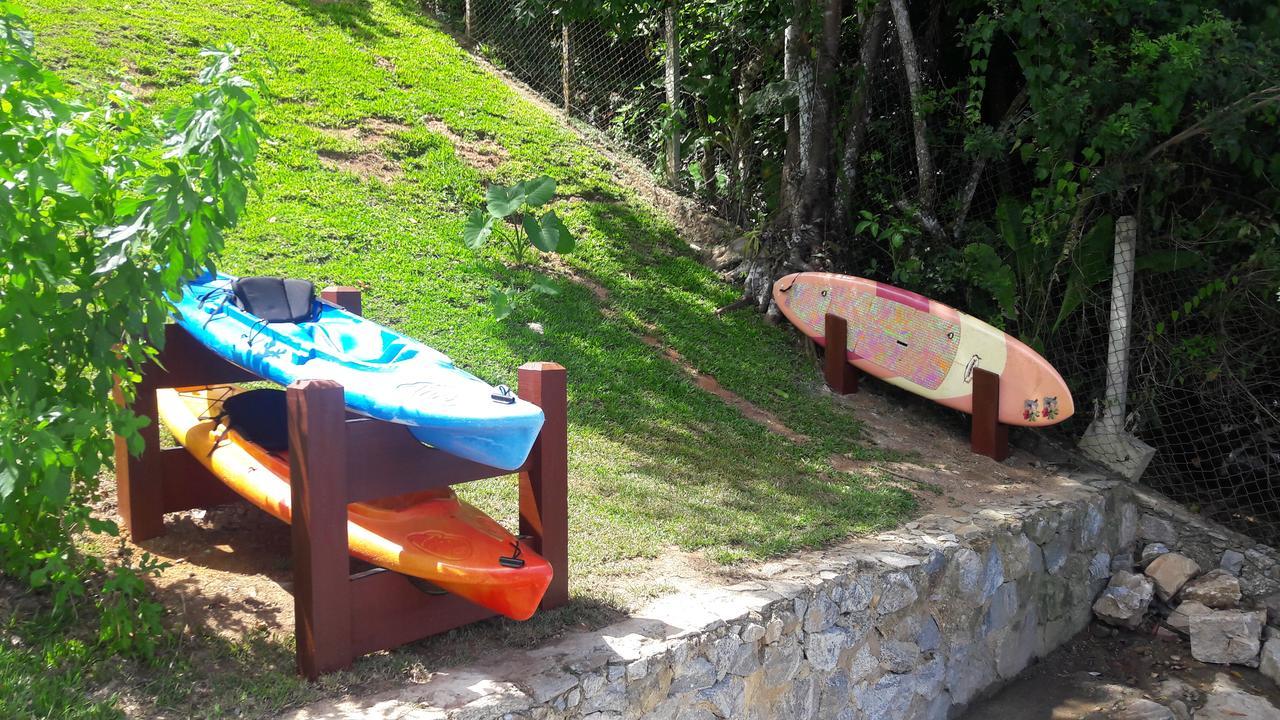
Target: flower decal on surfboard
{"points": [[1050, 410], [1030, 410]]}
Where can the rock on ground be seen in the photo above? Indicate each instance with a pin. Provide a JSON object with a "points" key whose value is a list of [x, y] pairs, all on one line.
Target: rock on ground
{"points": [[1170, 572], [1180, 618], [1125, 601], [1227, 702], [1227, 636], [1232, 561], [1142, 709], [1270, 664], [1151, 551], [1217, 589]]}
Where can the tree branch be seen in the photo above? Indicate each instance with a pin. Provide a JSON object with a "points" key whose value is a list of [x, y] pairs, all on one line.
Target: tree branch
{"points": [[980, 163], [911, 66], [1252, 101], [859, 113]]}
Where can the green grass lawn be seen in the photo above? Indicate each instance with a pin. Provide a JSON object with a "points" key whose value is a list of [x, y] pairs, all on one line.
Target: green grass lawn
{"points": [[656, 462]]}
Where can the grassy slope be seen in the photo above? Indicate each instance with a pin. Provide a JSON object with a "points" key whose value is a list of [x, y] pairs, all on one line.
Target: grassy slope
{"points": [[655, 461]]}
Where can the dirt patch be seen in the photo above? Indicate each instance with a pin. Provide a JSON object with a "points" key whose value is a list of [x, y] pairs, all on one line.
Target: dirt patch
{"points": [[142, 90], [370, 164], [954, 480], [748, 409], [370, 161], [479, 153]]}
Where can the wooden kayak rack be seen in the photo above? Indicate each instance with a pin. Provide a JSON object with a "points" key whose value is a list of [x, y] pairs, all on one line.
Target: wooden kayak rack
{"points": [[337, 458], [987, 435]]}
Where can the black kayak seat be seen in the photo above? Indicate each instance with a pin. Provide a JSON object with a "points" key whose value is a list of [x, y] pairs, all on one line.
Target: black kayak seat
{"points": [[276, 300], [260, 416]]}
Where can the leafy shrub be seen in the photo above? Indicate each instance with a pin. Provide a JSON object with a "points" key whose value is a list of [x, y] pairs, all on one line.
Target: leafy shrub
{"points": [[511, 213], [102, 214]]}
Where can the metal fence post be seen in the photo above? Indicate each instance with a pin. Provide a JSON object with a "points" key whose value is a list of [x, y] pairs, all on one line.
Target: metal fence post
{"points": [[466, 17], [1105, 439], [566, 65], [672, 82]]}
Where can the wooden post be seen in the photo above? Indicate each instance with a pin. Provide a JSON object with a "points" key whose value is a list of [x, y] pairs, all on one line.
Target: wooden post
{"points": [[544, 483], [140, 479], [466, 18], [566, 66], [672, 82], [841, 377], [988, 435], [317, 469], [346, 297]]}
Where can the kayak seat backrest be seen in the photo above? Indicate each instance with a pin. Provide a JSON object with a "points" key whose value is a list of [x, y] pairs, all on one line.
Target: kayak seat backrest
{"points": [[276, 300], [260, 416]]}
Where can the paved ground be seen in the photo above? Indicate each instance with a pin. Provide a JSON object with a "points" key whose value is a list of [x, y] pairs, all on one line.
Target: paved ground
{"points": [[1118, 675]]}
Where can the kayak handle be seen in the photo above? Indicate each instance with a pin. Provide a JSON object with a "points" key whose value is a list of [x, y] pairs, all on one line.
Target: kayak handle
{"points": [[503, 394], [514, 560]]}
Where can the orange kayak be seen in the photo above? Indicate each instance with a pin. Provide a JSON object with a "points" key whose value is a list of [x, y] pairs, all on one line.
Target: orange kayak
{"points": [[431, 534]]}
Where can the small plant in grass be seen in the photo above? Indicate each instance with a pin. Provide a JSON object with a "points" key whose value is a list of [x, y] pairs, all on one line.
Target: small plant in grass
{"points": [[510, 215]]}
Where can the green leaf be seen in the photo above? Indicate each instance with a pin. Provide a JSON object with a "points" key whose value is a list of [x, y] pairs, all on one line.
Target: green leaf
{"points": [[501, 302], [565, 241], [544, 285], [503, 201], [989, 272], [537, 234], [478, 228], [540, 191], [8, 481]]}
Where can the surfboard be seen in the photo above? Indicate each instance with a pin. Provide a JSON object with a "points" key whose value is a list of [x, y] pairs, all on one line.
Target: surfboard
{"points": [[432, 534], [926, 347]]}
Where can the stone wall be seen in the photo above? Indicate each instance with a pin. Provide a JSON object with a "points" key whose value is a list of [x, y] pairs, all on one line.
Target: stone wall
{"points": [[1163, 521], [914, 623]]}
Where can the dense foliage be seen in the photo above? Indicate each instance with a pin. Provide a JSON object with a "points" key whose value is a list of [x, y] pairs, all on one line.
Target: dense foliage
{"points": [[981, 152], [102, 214]]}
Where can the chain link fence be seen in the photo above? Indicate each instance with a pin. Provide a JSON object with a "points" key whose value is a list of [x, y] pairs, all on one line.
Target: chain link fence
{"points": [[1190, 393], [598, 75]]}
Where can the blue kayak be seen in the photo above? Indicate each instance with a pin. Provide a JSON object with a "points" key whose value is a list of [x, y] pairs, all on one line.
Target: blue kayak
{"points": [[385, 375]]}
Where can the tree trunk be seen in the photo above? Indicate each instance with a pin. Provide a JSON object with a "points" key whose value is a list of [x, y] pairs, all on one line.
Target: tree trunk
{"points": [[672, 82], [858, 115], [794, 54], [815, 192], [911, 66], [742, 167], [566, 67], [798, 67]]}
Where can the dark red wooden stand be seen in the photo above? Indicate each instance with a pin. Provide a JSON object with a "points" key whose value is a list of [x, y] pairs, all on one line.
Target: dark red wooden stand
{"points": [[336, 459], [987, 435], [841, 376]]}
